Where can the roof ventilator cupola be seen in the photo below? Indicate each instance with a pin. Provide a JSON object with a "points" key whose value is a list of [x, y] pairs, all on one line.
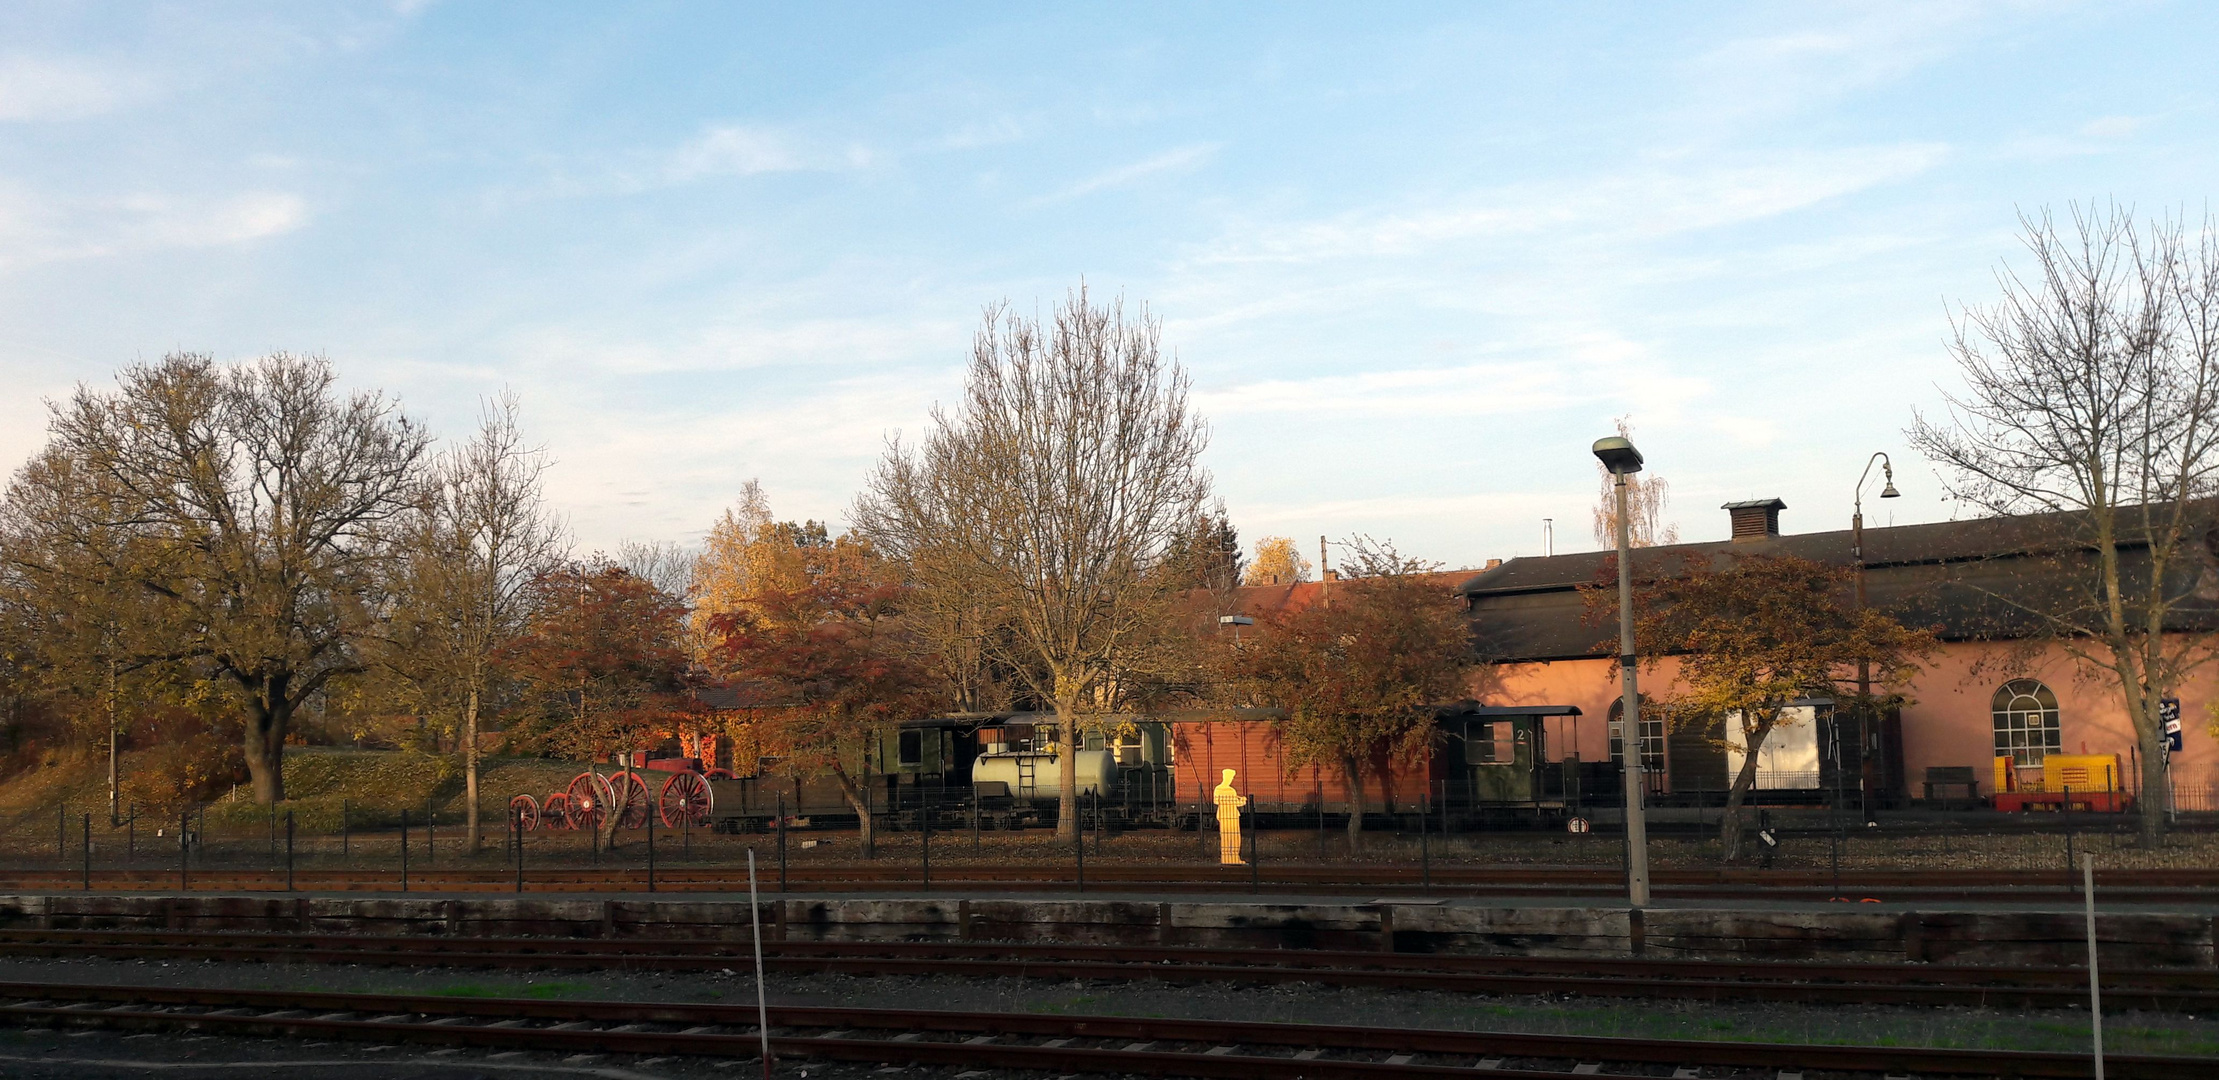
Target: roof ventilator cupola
{"points": [[1756, 519]]}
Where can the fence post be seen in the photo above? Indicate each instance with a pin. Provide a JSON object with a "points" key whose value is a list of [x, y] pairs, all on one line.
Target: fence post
{"points": [[273, 831], [345, 805], [782, 845], [1080, 845], [184, 851], [404, 849], [61, 832], [88, 853], [131, 836], [1425, 853], [925, 816], [651, 815], [1255, 847], [431, 835], [288, 851], [518, 834]]}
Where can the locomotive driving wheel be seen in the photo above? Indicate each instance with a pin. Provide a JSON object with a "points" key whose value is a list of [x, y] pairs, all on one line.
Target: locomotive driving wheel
{"points": [[524, 813], [590, 799], [554, 812], [685, 800], [629, 799]]}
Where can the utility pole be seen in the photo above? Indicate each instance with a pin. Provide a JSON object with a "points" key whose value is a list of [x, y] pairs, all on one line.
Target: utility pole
{"points": [[1622, 460]]}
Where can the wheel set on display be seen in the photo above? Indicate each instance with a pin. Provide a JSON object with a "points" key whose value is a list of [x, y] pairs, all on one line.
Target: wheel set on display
{"points": [[685, 799]]}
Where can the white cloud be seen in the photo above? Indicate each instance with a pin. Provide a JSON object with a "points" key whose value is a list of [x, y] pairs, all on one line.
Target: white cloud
{"points": [[1590, 369], [1655, 200], [36, 88], [732, 150], [2114, 127], [1170, 160], [35, 230]]}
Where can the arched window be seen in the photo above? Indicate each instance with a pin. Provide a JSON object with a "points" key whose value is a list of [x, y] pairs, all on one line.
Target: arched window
{"points": [[1652, 737], [2025, 714]]}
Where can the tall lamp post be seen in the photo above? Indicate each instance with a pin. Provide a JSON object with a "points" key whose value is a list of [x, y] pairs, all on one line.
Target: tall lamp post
{"points": [[1622, 460], [1864, 667]]}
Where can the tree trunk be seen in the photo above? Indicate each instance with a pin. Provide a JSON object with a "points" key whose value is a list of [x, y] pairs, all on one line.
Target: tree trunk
{"points": [[470, 770], [268, 717], [1355, 773], [2155, 795], [867, 832], [1067, 772], [1730, 823]]}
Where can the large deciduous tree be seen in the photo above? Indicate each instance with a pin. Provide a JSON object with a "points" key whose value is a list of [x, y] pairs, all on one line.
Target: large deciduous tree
{"points": [[480, 536], [1278, 561], [1359, 678], [1049, 501], [830, 658], [1753, 636], [2092, 392], [253, 503]]}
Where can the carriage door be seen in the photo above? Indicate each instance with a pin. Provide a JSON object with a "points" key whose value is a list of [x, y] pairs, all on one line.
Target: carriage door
{"points": [[1500, 756]]}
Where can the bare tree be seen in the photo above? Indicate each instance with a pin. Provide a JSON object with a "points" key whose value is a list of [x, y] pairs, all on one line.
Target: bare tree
{"points": [[666, 565], [255, 504], [2092, 393], [1647, 494], [483, 533], [1051, 499]]}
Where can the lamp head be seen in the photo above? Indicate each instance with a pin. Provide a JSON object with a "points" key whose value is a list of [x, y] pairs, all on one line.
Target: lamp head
{"points": [[1887, 473], [1618, 455]]}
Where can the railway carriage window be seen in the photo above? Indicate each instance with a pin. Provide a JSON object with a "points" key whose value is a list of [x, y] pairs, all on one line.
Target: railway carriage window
{"points": [[1490, 744], [2025, 713], [912, 748]]}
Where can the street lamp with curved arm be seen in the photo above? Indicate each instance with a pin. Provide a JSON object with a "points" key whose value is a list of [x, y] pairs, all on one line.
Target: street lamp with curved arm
{"points": [[1864, 667]]}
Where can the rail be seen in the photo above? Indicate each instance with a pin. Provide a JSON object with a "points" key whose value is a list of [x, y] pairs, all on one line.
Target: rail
{"points": [[1113, 1045]]}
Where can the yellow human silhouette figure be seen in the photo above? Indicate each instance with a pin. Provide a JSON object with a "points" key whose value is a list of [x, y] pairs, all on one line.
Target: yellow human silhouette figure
{"points": [[1229, 802]]}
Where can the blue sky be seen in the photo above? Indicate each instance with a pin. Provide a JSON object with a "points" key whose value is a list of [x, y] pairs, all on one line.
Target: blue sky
{"points": [[1416, 257]]}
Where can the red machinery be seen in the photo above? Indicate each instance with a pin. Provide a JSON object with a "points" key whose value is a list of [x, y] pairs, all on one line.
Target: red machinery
{"points": [[685, 796]]}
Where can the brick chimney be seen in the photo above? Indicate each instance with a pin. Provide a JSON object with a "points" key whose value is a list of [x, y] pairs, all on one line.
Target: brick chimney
{"points": [[1757, 519]]}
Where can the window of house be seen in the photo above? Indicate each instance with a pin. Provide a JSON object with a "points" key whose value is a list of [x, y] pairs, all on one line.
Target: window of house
{"points": [[1652, 739], [912, 748], [2025, 713]]}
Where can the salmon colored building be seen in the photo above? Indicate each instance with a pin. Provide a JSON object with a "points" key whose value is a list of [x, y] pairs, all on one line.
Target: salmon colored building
{"points": [[1996, 689]]}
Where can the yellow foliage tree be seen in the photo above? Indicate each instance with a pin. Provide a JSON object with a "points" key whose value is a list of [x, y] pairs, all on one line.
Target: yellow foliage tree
{"points": [[1278, 562], [745, 557]]}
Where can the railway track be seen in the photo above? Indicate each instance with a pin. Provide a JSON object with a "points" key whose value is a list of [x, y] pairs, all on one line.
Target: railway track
{"points": [[2125, 886], [1100, 1045], [2174, 990]]}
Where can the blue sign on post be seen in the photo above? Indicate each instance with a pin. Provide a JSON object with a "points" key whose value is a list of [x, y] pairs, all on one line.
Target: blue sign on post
{"points": [[2168, 711]]}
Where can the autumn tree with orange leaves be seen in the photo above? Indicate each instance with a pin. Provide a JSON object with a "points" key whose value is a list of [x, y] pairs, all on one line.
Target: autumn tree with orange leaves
{"points": [[830, 656], [1750, 637], [1359, 677], [604, 656]]}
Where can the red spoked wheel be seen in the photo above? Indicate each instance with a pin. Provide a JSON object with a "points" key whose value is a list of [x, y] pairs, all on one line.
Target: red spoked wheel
{"points": [[630, 799], [524, 813], [685, 801], [590, 799], [554, 811]]}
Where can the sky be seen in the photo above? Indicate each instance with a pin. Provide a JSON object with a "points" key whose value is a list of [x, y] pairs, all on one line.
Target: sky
{"points": [[1415, 257]]}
